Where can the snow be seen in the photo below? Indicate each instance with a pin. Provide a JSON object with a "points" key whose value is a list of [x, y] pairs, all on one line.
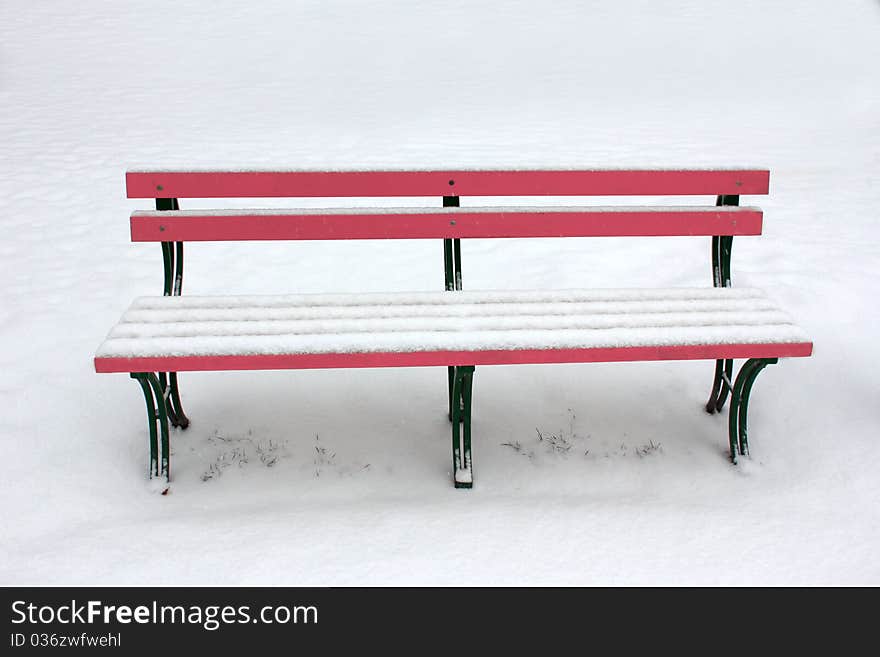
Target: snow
{"points": [[415, 210], [344, 477], [488, 167], [480, 321], [603, 300]]}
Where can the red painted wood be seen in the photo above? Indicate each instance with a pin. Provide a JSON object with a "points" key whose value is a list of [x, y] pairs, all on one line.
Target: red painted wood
{"points": [[166, 226], [440, 358], [250, 184]]}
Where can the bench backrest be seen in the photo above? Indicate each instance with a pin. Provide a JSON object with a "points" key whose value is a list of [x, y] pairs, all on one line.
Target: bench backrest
{"points": [[450, 222]]}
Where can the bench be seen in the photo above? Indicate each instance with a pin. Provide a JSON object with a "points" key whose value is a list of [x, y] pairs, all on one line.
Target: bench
{"points": [[160, 336]]}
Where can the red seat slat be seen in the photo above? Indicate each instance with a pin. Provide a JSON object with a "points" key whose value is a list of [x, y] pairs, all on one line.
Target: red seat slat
{"points": [[438, 358]]}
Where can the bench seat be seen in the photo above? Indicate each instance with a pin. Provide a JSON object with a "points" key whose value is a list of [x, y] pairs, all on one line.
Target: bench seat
{"points": [[439, 328]]}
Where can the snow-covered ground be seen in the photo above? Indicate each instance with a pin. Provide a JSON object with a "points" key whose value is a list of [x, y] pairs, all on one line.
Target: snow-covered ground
{"points": [[585, 474]]}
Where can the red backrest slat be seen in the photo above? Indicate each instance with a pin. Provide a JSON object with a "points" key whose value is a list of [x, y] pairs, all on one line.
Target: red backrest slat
{"points": [[192, 226], [286, 184]]}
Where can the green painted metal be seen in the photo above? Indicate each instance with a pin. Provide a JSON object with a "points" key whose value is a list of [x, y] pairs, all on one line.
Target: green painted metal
{"points": [[456, 250], [172, 413], [448, 267], [722, 246], [716, 261], [722, 393], [165, 444], [452, 251], [168, 267], [739, 405], [167, 247], [180, 418], [733, 417], [462, 462], [450, 279], [178, 269], [712, 404], [141, 378], [744, 403], [717, 381], [725, 247], [172, 258]]}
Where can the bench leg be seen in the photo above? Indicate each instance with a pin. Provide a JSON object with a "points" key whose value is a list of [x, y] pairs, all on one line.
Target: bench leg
{"points": [[151, 419], [182, 419], [171, 396], [156, 413], [462, 463], [739, 404]]}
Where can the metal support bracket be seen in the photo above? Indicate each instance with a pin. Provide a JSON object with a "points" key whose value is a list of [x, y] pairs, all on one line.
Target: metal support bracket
{"points": [[722, 245], [172, 259], [739, 405], [462, 463], [452, 282]]}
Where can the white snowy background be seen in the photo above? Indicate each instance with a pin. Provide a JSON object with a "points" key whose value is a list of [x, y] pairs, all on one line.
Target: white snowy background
{"points": [[585, 474]]}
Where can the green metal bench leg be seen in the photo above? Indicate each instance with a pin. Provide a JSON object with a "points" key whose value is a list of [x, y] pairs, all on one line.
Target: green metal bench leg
{"points": [[739, 405], [462, 462], [717, 382], [160, 450], [733, 416], [744, 403], [151, 418], [165, 456]]}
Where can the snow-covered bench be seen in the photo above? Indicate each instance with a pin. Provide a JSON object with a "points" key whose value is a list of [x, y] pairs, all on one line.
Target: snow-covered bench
{"points": [[160, 336]]}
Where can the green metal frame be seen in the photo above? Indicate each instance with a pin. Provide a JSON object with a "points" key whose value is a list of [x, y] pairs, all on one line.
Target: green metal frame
{"points": [[739, 404], [462, 461], [172, 260], [160, 450], [722, 245], [452, 282], [460, 379]]}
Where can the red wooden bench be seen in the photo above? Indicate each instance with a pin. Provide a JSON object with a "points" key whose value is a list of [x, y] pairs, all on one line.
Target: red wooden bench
{"points": [[160, 336]]}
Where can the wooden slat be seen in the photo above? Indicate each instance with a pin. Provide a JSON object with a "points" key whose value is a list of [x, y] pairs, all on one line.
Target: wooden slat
{"points": [[634, 182], [442, 358], [195, 226]]}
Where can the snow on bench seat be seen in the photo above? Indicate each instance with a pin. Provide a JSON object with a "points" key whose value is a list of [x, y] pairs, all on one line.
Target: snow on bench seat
{"points": [[447, 328]]}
